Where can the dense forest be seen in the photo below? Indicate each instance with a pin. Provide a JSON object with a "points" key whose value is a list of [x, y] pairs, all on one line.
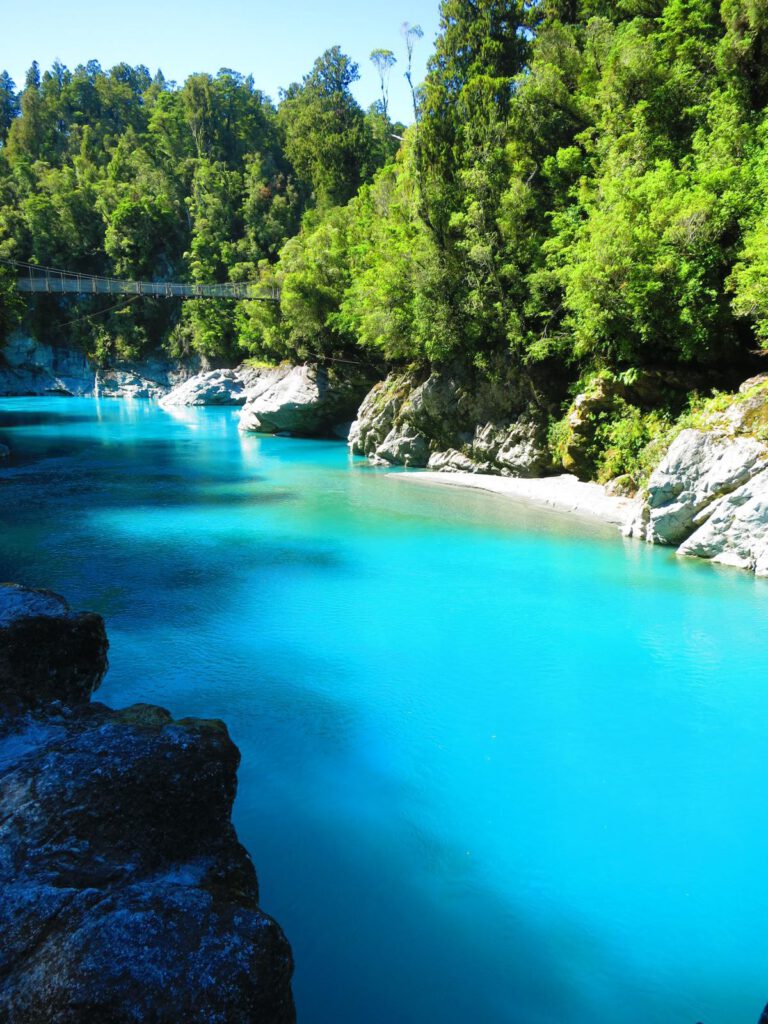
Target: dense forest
{"points": [[584, 189]]}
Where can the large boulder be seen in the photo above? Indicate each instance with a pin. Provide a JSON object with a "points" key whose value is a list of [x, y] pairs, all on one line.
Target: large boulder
{"points": [[47, 651], [699, 468], [709, 494], [735, 531], [126, 895], [452, 421], [306, 401], [214, 387]]}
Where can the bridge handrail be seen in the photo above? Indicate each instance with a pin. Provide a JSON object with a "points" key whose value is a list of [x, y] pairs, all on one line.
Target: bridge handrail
{"points": [[39, 278]]}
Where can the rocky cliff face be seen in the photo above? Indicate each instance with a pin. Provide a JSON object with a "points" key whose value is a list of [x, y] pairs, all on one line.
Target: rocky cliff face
{"points": [[452, 420], [126, 895], [29, 367], [709, 495]]}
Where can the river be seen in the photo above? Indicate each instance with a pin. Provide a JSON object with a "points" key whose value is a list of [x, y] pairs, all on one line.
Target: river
{"points": [[499, 766]]}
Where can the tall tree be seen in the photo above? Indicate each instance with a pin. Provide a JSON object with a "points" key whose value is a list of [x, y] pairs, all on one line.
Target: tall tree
{"points": [[383, 61], [9, 104], [410, 34]]}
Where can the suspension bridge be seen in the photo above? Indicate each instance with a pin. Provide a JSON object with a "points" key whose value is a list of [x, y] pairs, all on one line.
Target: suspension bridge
{"points": [[39, 280]]}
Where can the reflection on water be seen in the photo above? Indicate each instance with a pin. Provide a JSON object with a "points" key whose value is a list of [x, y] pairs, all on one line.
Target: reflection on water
{"points": [[497, 767]]}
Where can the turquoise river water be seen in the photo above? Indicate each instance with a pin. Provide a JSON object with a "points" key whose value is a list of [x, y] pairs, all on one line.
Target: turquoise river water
{"points": [[499, 767]]}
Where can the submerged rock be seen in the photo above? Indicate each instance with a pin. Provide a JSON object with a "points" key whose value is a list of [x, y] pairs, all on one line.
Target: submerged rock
{"points": [[307, 401], [126, 895]]}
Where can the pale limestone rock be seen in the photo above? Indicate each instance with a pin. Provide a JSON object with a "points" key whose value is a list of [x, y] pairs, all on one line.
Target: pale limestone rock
{"points": [[442, 423], [301, 400], [698, 469], [376, 416], [735, 531], [215, 387], [399, 449], [519, 450], [453, 461]]}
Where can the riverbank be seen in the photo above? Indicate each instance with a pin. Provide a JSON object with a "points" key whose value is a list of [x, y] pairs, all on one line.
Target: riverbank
{"points": [[565, 493]]}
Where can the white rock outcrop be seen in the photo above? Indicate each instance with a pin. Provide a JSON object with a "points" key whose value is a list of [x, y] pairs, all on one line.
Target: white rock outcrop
{"points": [[301, 400], [215, 387], [736, 529], [444, 423], [709, 495], [698, 469]]}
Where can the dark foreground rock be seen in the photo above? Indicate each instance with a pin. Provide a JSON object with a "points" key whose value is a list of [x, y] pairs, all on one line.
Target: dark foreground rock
{"points": [[126, 894]]}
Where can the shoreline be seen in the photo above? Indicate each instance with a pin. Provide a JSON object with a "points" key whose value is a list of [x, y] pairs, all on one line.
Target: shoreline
{"points": [[565, 493]]}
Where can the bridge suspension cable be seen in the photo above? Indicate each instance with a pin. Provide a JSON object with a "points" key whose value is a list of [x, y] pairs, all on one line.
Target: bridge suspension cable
{"points": [[37, 279]]}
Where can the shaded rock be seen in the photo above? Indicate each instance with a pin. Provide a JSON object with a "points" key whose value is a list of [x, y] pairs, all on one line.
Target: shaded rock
{"points": [[306, 401], [31, 367], [48, 652], [452, 422], [5, 452], [126, 895], [214, 387], [454, 461], [735, 531], [698, 469], [624, 486], [602, 400], [153, 377], [342, 430], [403, 449]]}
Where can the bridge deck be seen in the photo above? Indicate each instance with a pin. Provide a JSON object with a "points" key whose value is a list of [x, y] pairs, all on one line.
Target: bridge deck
{"points": [[62, 282]]}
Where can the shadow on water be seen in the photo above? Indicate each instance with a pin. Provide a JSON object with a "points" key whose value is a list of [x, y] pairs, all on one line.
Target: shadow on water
{"points": [[71, 523], [424, 938], [16, 419]]}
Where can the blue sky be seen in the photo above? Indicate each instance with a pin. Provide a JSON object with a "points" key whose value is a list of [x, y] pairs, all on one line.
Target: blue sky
{"points": [[277, 42]]}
